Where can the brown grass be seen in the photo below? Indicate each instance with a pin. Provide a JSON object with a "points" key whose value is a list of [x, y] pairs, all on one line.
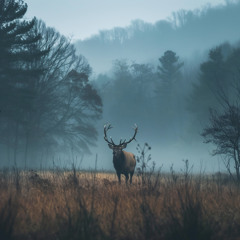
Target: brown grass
{"points": [[88, 205]]}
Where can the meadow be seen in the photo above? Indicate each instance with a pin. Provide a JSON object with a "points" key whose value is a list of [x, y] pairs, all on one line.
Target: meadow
{"points": [[74, 204]]}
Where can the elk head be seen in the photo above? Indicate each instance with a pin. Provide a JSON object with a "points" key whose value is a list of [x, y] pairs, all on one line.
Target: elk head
{"points": [[124, 162]]}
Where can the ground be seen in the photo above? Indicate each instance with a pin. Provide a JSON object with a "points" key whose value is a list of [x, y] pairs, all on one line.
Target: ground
{"points": [[75, 204]]}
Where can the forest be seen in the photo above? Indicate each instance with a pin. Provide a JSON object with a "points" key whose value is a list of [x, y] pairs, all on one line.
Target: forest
{"points": [[178, 80]]}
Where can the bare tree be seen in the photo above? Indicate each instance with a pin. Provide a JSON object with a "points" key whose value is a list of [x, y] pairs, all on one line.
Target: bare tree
{"points": [[224, 128], [66, 105], [224, 132]]}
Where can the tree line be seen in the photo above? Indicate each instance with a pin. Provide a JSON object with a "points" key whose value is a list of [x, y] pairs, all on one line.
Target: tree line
{"points": [[188, 32]]}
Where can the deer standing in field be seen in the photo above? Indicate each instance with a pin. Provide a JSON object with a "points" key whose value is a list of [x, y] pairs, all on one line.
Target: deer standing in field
{"points": [[123, 162]]}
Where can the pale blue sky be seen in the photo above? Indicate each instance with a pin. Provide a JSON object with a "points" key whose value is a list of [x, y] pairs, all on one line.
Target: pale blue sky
{"points": [[80, 19]]}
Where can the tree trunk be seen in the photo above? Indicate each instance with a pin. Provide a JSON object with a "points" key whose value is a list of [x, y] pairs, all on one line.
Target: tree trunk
{"points": [[26, 151], [15, 145], [237, 165]]}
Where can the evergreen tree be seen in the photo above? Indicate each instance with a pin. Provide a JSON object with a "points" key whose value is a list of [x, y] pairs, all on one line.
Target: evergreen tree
{"points": [[168, 93], [18, 50], [170, 66], [169, 71]]}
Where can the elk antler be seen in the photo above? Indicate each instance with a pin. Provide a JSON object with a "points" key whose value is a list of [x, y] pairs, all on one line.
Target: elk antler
{"points": [[106, 128], [135, 133]]}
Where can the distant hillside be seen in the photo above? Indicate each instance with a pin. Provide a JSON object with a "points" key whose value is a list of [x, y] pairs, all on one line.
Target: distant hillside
{"points": [[187, 32]]}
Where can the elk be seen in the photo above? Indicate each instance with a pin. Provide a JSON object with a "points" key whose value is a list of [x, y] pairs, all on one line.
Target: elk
{"points": [[123, 162]]}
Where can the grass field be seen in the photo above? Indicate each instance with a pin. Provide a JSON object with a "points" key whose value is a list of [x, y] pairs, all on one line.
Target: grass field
{"points": [[92, 205]]}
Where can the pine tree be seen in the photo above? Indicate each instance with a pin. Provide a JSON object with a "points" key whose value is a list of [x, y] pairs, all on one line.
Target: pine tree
{"points": [[169, 70], [18, 52], [168, 92]]}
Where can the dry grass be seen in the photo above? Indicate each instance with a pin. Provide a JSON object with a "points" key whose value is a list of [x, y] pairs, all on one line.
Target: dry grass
{"points": [[88, 205]]}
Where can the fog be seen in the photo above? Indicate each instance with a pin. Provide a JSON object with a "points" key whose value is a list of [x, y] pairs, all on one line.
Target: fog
{"points": [[171, 141], [189, 33], [164, 77], [172, 137]]}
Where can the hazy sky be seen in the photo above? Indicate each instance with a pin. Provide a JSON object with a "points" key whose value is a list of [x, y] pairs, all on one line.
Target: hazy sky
{"points": [[82, 18]]}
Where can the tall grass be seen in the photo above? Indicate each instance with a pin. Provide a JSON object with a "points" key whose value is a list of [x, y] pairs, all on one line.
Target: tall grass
{"points": [[75, 204]]}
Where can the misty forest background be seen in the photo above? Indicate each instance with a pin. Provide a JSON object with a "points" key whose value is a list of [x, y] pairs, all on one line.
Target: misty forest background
{"points": [[56, 95]]}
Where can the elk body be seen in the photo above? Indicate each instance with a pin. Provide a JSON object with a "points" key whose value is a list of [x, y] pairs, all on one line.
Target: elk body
{"points": [[123, 162]]}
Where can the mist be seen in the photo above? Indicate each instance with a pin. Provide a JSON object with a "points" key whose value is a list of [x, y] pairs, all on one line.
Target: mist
{"points": [[128, 98], [173, 135], [159, 76]]}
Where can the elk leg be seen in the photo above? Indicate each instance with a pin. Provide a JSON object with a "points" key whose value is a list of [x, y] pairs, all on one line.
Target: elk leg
{"points": [[119, 177], [127, 177], [131, 175]]}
